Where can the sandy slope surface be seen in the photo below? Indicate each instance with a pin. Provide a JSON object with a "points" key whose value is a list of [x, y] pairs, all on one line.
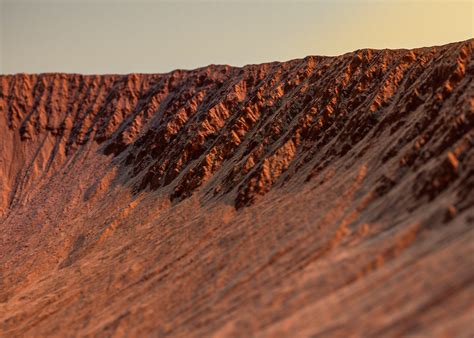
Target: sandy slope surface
{"points": [[322, 197]]}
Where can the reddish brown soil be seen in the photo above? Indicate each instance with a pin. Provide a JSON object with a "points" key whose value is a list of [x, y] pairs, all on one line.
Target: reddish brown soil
{"points": [[327, 196]]}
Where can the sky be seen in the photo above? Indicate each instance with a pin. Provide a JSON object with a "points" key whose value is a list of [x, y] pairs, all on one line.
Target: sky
{"points": [[145, 36]]}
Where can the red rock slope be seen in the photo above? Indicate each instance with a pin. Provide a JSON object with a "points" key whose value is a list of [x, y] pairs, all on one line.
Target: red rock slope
{"points": [[327, 196]]}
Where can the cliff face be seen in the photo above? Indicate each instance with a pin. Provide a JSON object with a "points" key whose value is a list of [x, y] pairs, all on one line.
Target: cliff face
{"points": [[325, 195]]}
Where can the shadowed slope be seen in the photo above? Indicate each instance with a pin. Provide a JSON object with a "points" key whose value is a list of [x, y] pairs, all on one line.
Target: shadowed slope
{"points": [[276, 198]]}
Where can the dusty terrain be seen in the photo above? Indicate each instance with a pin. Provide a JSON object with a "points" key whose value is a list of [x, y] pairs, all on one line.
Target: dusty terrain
{"points": [[322, 197]]}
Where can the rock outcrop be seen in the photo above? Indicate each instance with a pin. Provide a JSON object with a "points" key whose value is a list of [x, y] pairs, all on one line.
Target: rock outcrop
{"points": [[326, 195]]}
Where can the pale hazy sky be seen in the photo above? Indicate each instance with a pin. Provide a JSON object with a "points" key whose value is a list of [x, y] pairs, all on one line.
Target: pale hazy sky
{"points": [[107, 36]]}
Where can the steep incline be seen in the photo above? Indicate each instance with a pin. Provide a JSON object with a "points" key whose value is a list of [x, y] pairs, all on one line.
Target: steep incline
{"points": [[233, 201]]}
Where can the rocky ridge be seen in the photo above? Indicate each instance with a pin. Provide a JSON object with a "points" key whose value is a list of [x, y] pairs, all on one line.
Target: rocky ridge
{"points": [[369, 142]]}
